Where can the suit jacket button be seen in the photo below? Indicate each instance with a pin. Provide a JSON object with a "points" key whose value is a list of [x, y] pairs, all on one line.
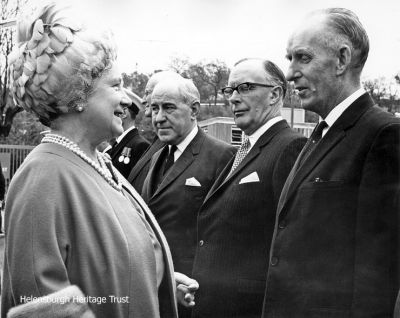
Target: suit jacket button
{"points": [[282, 224], [274, 261], [201, 243]]}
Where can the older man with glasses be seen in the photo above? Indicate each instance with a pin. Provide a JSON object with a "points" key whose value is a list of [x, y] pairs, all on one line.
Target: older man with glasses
{"points": [[236, 220]]}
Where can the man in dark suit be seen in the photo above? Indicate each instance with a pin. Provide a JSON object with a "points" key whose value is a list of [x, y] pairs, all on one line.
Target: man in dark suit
{"points": [[129, 146], [236, 220], [335, 250], [139, 172], [181, 173]]}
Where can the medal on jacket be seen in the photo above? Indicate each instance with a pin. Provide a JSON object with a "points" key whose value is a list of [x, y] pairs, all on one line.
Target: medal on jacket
{"points": [[125, 155]]}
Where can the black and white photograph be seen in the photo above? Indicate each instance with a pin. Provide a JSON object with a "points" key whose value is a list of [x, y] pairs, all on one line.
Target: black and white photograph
{"points": [[199, 159]]}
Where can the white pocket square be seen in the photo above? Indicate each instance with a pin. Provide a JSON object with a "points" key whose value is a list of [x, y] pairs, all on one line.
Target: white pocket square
{"points": [[192, 182], [252, 177]]}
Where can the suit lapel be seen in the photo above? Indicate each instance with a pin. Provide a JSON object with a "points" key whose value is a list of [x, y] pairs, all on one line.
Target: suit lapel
{"points": [[153, 174], [145, 158], [334, 135], [326, 144], [183, 162], [220, 179], [254, 152]]}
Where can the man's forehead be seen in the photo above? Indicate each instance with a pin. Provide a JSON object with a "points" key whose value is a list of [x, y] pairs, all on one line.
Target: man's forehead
{"points": [[309, 29], [165, 93], [248, 70], [305, 40]]}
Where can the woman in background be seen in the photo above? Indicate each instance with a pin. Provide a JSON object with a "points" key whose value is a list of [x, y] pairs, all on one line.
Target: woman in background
{"points": [[71, 218]]}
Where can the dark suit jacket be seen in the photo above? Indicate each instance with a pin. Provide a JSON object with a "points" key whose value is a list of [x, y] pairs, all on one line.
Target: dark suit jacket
{"points": [[139, 172], [137, 145], [335, 250], [235, 226], [175, 204]]}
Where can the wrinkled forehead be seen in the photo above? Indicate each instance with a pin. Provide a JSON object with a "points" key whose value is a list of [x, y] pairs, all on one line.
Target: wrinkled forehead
{"points": [[166, 92], [248, 71], [160, 77]]}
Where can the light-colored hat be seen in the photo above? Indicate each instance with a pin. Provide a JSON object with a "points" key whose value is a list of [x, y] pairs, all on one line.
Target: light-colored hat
{"points": [[136, 101]]}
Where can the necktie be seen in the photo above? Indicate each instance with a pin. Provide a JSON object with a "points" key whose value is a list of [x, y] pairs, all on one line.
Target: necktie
{"points": [[242, 152], [170, 159], [313, 141]]}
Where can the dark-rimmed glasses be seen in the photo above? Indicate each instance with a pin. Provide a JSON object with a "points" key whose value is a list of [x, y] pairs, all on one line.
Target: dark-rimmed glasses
{"points": [[242, 88]]}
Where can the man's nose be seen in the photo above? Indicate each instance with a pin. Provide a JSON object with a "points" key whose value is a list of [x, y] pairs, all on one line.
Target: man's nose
{"points": [[292, 72], [159, 116], [235, 98]]}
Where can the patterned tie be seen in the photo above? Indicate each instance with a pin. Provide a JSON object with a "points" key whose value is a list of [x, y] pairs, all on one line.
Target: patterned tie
{"points": [[242, 152], [313, 141]]}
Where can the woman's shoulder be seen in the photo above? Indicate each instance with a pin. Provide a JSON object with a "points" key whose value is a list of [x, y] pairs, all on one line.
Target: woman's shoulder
{"points": [[45, 163]]}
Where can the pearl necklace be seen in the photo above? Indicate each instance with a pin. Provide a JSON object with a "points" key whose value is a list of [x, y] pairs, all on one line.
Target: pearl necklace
{"points": [[102, 169]]}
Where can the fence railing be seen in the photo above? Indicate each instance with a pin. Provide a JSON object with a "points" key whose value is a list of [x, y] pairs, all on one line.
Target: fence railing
{"points": [[11, 157]]}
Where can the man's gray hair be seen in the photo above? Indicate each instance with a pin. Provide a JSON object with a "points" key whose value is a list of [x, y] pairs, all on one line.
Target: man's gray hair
{"points": [[190, 93], [346, 24]]}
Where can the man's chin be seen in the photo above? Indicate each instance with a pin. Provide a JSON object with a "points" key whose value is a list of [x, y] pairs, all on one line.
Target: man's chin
{"points": [[117, 132], [165, 138], [241, 123], [307, 104]]}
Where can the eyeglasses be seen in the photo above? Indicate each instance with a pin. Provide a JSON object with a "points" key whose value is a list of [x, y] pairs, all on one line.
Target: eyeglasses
{"points": [[242, 88]]}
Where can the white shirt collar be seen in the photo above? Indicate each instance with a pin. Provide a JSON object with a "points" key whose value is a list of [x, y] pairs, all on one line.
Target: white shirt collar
{"points": [[185, 142], [340, 108], [124, 133], [260, 131]]}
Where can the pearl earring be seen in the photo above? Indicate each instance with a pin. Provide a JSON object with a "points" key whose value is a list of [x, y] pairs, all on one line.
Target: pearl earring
{"points": [[79, 107]]}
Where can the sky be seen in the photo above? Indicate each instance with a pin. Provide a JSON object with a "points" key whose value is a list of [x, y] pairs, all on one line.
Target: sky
{"points": [[149, 32]]}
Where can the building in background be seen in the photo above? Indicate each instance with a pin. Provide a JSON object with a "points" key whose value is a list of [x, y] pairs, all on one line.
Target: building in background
{"points": [[224, 128]]}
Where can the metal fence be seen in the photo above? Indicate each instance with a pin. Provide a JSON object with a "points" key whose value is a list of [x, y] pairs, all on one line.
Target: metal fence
{"points": [[11, 157]]}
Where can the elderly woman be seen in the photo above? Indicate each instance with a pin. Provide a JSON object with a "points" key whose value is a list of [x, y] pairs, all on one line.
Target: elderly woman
{"points": [[71, 218]]}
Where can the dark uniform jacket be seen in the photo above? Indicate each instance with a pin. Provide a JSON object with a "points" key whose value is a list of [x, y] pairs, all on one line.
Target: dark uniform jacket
{"points": [[126, 153]]}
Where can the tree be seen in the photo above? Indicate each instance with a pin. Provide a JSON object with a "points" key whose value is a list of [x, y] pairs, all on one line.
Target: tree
{"points": [[180, 65], [136, 82], [384, 92], [209, 77], [8, 110], [26, 130]]}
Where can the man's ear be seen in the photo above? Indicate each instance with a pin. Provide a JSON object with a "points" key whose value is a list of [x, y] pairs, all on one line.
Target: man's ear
{"points": [[344, 59], [195, 107], [275, 95]]}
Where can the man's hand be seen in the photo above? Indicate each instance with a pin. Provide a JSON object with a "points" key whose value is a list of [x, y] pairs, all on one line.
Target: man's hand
{"points": [[185, 289]]}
